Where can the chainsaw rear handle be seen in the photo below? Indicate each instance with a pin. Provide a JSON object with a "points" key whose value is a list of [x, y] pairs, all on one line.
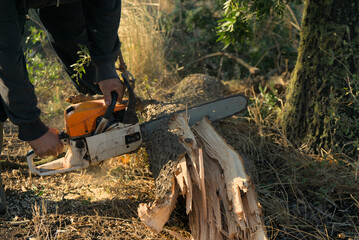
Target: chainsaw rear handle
{"points": [[109, 111], [130, 113], [131, 100], [108, 116]]}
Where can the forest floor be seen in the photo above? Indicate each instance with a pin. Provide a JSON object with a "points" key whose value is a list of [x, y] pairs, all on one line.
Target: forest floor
{"points": [[97, 203], [303, 196]]}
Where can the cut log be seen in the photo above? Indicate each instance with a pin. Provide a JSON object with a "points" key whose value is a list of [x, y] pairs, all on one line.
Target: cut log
{"points": [[198, 163], [230, 191]]}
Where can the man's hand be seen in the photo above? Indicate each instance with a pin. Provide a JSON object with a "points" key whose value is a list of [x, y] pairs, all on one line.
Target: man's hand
{"points": [[48, 144], [110, 85]]}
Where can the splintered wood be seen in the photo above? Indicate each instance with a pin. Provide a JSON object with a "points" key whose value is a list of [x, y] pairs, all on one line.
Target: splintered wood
{"points": [[220, 199]]}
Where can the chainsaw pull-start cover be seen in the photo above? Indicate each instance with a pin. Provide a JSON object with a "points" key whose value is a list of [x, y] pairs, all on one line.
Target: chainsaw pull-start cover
{"points": [[80, 119]]}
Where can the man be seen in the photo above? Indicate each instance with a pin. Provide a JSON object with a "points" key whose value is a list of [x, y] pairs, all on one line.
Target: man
{"points": [[71, 23]]}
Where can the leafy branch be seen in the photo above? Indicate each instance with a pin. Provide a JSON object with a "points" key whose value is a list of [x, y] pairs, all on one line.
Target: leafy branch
{"points": [[83, 61], [235, 24]]}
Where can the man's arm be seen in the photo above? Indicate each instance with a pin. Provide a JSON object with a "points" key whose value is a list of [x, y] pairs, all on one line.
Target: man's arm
{"points": [[17, 93], [102, 20]]}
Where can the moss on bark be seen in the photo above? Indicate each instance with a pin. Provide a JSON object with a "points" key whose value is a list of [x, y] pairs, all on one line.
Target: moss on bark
{"points": [[319, 103]]}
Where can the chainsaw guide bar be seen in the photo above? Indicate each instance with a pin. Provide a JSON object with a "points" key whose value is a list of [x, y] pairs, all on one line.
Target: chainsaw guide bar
{"points": [[214, 111]]}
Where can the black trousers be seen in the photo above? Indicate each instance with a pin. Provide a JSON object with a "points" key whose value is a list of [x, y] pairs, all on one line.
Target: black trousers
{"points": [[66, 25]]}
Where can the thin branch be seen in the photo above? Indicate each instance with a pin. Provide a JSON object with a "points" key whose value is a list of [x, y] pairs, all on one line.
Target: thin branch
{"points": [[296, 24], [252, 70]]}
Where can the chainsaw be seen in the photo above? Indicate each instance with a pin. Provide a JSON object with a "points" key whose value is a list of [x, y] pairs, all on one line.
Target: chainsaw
{"points": [[94, 132]]}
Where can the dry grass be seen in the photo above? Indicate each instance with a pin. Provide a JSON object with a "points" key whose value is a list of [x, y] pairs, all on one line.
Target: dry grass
{"points": [[98, 203], [143, 44], [51, 101]]}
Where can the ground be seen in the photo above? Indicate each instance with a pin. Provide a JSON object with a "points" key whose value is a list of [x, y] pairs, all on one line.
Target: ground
{"points": [[303, 196], [98, 203]]}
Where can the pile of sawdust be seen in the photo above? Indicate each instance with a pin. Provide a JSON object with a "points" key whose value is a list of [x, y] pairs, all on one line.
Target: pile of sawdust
{"points": [[198, 88]]}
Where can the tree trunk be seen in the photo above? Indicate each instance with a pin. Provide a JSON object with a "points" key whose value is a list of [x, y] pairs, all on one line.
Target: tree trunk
{"points": [[197, 163], [321, 110]]}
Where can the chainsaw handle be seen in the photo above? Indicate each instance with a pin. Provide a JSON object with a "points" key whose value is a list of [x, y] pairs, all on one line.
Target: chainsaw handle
{"points": [[61, 165], [109, 111], [31, 155], [130, 114], [30, 162]]}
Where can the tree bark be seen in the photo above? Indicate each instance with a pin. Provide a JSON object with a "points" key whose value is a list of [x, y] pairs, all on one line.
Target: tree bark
{"points": [[321, 106], [197, 163]]}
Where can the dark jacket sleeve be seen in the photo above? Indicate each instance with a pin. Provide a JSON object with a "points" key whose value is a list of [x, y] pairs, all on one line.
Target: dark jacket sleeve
{"points": [[17, 93], [103, 19]]}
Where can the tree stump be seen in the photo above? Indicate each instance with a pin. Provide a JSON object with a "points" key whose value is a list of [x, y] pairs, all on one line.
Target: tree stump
{"points": [[198, 163]]}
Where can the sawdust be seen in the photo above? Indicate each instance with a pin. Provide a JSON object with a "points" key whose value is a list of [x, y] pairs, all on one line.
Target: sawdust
{"points": [[198, 88]]}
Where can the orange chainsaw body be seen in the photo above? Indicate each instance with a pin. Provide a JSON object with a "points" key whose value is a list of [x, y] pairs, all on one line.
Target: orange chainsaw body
{"points": [[80, 119]]}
